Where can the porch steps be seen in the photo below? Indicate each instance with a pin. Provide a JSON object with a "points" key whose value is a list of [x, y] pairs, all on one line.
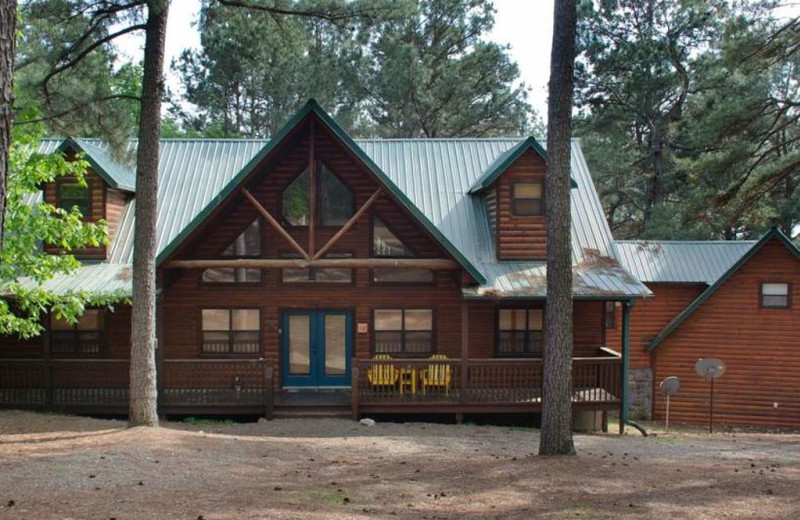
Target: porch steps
{"points": [[312, 412]]}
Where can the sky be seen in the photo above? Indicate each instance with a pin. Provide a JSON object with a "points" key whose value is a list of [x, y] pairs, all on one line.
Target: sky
{"points": [[525, 25]]}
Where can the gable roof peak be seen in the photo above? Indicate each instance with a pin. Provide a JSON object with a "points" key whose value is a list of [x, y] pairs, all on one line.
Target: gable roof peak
{"points": [[116, 175], [773, 232], [312, 107]]}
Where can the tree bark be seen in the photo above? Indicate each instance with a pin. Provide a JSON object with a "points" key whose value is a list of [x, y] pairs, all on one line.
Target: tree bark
{"points": [[8, 39], [143, 392], [556, 434]]}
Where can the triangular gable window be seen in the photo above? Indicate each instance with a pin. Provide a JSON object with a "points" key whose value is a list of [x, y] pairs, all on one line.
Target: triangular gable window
{"points": [[335, 200], [246, 245], [385, 244]]}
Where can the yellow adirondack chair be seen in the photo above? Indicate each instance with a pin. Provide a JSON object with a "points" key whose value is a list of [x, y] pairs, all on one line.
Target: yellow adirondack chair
{"points": [[383, 375], [437, 375]]}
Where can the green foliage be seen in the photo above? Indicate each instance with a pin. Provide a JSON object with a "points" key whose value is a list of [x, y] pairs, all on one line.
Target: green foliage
{"points": [[417, 68], [432, 74], [90, 98], [689, 116], [30, 222], [255, 70]]}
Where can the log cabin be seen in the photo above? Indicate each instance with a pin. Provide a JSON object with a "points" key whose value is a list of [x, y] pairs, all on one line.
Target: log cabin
{"points": [[730, 300], [314, 270]]}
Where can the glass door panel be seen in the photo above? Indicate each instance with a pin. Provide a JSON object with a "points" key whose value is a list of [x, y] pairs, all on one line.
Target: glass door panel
{"points": [[335, 344], [299, 334]]}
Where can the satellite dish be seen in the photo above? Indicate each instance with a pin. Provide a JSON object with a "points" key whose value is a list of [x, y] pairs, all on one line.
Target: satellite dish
{"points": [[710, 368], [670, 386]]}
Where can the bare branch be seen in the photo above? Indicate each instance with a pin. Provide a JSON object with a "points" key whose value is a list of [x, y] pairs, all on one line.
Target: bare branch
{"points": [[335, 16]]}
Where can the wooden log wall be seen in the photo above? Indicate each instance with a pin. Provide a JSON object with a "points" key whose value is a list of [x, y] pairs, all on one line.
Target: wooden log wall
{"points": [[115, 204], [650, 316], [520, 238], [761, 348]]}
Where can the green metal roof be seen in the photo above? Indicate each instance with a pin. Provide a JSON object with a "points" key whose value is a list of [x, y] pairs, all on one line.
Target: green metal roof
{"points": [[705, 295], [100, 279], [115, 174], [680, 261], [432, 177]]}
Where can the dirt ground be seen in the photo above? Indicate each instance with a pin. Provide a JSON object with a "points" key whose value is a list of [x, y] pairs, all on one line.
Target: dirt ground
{"points": [[57, 467]]}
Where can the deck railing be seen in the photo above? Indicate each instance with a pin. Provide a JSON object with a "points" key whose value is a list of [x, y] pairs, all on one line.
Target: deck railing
{"points": [[101, 385], [476, 384], [211, 386]]}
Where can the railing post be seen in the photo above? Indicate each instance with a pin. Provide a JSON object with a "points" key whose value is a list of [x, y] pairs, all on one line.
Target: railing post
{"points": [[48, 369], [354, 390], [268, 388], [159, 381]]}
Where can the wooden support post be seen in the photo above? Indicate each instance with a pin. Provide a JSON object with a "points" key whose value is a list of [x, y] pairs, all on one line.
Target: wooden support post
{"points": [[47, 366], [464, 352], [626, 340], [354, 390], [269, 401], [274, 223], [160, 354], [312, 188], [350, 223]]}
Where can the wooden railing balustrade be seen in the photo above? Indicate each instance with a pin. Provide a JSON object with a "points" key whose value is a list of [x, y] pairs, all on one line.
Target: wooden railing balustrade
{"points": [[477, 383], [101, 385], [224, 386]]}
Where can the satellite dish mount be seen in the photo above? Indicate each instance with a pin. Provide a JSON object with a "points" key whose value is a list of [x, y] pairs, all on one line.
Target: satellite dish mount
{"points": [[669, 387], [710, 369]]}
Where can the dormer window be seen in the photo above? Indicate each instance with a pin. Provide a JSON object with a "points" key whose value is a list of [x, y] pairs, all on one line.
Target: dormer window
{"points": [[246, 245], [334, 199], [526, 199], [72, 194]]}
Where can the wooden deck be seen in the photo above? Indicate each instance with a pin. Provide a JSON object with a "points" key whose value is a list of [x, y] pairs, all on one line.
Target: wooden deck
{"points": [[476, 385], [193, 386], [246, 387]]}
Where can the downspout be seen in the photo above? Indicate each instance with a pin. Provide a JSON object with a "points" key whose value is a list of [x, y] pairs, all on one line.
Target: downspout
{"points": [[626, 347]]}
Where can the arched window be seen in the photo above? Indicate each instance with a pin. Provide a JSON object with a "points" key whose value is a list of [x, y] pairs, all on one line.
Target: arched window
{"points": [[334, 199]]}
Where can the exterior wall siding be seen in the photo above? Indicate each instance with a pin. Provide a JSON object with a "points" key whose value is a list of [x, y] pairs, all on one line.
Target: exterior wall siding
{"points": [[115, 204], [648, 317], [520, 238], [490, 199], [760, 347]]}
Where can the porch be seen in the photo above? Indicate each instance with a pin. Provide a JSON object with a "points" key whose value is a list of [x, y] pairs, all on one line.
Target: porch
{"points": [[482, 386], [247, 387]]}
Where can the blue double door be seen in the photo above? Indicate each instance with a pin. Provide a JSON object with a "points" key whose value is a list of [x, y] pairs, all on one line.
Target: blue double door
{"points": [[317, 346]]}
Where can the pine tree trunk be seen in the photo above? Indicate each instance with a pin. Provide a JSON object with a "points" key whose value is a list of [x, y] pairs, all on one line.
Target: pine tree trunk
{"points": [[8, 38], [143, 395], [556, 435]]}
